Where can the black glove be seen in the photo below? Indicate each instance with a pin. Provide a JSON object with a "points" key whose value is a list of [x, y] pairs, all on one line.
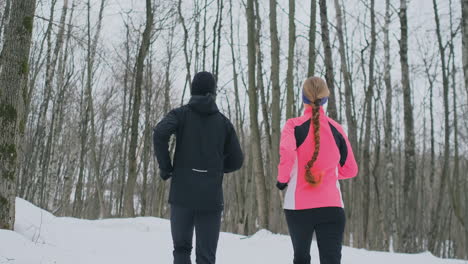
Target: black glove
{"points": [[165, 174], [281, 185]]}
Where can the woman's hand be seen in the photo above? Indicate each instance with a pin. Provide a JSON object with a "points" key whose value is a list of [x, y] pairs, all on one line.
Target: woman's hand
{"points": [[281, 186]]}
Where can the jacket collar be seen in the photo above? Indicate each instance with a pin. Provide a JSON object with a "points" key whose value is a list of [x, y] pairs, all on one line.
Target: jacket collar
{"points": [[203, 104], [308, 111]]}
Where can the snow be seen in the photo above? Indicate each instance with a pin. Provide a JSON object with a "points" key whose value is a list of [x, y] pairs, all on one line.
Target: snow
{"points": [[40, 237]]}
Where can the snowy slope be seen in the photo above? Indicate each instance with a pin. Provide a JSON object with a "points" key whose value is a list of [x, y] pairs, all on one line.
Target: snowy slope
{"points": [[40, 237]]}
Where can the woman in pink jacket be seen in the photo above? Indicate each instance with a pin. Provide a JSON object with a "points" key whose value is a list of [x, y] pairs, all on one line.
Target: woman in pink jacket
{"points": [[315, 154]]}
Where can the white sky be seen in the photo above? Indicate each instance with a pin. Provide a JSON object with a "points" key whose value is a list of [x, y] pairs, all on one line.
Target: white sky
{"points": [[421, 37]]}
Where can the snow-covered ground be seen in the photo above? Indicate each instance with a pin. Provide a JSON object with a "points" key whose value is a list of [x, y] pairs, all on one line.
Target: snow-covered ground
{"points": [[40, 237]]}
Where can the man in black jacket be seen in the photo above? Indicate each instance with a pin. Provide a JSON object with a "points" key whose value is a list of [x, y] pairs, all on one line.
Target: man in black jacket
{"points": [[206, 147]]}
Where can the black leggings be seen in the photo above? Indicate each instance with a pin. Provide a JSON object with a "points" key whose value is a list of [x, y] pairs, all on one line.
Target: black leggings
{"points": [[207, 226], [328, 224]]}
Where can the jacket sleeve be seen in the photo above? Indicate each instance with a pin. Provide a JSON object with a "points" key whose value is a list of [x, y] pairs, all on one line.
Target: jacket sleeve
{"points": [[233, 156], [161, 135], [348, 167], [287, 152]]}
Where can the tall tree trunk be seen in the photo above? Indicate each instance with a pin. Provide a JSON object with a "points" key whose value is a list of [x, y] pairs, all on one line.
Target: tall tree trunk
{"points": [[188, 77], [456, 186], [260, 183], [351, 119], [40, 133], [124, 124], [78, 199], [239, 179], [50, 75], [217, 37], [329, 74], [147, 136], [14, 69], [129, 210], [92, 46], [366, 156], [410, 149], [312, 36], [389, 166], [290, 107], [446, 158], [275, 98], [275, 83]]}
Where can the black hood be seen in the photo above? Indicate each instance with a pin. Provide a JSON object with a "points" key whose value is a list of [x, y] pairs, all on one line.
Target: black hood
{"points": [[203, 104]]}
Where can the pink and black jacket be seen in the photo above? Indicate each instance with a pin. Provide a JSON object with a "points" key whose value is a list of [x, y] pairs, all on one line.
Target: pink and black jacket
{"points": [[335, 162]]}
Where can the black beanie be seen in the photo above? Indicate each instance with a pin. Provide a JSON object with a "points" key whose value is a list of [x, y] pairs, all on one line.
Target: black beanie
{"points": [[203, 83]]}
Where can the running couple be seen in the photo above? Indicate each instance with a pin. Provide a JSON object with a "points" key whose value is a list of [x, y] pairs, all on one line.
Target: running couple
{"points": [[315, 154]]}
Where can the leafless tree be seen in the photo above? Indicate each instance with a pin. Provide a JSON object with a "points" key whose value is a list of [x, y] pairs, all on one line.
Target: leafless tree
{"points": [[14, 69]]}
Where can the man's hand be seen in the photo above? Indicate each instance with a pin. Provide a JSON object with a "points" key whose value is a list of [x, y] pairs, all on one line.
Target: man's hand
{"points": [[165, 174]]}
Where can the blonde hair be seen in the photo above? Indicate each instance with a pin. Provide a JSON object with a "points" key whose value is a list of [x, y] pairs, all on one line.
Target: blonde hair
{"points": [[314, 89]]}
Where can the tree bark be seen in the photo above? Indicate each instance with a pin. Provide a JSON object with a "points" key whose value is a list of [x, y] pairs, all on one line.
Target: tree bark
{"points": [[446, 156], [188, 77], [312, 36], [290, 107], [14, 69], [351, 119], [389, 167], [261, 192], [129, 210], [410, 151], [275, 97], [329, 74], [366, 156]]}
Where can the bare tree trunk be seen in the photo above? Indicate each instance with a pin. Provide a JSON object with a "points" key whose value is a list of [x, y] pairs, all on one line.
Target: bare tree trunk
{"points": [[78, 199], [275, 103], [312, 35], [290, 107], [188, 76], [389, 166], [124, 125], [217, 37], [351, 119], [40, 134], [129, 210], [410, 152], [446, 160], [260, 84], [260, 183], [147, 136], [239, 177], [276, 90], [204, 33], [365, 162], [456, 188], [329, 75], [89, 115], [14, 69]]}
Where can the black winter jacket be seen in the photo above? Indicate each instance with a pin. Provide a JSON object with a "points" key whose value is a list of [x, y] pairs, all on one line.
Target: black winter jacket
{"points": [[206, 147]]}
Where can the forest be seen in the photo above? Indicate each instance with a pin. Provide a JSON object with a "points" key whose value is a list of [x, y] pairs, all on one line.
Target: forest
{"points": [[83, 83]]}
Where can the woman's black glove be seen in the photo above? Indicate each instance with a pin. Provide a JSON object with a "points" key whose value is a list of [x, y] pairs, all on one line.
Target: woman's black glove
{"points": [[281, 185], [165, 174]]}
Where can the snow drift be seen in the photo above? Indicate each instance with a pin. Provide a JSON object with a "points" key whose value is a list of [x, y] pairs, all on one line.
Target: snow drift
{"points": [[40, 237]]}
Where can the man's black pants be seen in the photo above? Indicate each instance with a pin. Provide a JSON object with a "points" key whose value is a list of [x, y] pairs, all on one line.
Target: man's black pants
{"points": [[207, 225], [328, 224]]}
